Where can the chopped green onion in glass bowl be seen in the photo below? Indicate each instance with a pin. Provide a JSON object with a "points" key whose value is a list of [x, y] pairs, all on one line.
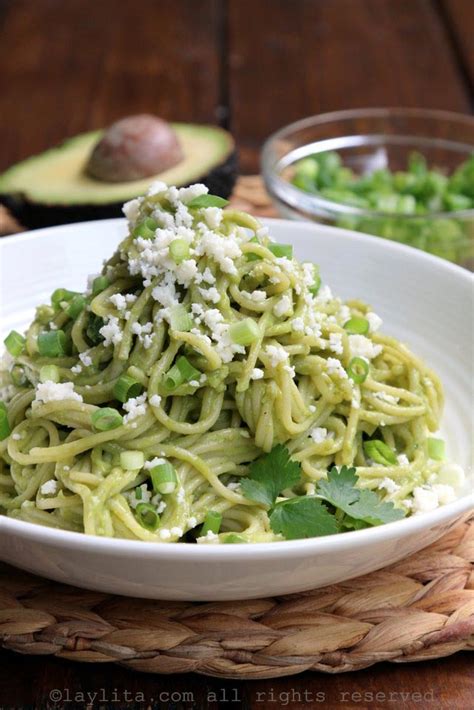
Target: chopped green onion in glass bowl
{"points": [[402, 174]]}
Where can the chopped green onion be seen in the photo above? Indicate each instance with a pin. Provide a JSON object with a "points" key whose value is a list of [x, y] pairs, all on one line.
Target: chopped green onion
{"points": [[357, 326], [379, 452], [180, 318], [180, 373], [163, 478], [18, 376], [233, 538], [76, 306], [212, 523], [147, 516], [5, 429], [245, 332], [314, 288], [52, 343], [106, 418], [132, 460], [61, 295], [436, 449], [179, 250], [127, 387], [14, 343], [49, 373], [99, 284], [358, 369], [280, 250], [146, 229], [207, 201]]}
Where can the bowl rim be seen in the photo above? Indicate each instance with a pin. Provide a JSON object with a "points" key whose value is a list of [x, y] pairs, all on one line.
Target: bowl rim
{"points": [[299, 199], [187, 552]]}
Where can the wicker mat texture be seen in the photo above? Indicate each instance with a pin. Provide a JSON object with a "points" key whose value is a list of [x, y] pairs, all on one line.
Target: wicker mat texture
{"points": [[420, 608]]}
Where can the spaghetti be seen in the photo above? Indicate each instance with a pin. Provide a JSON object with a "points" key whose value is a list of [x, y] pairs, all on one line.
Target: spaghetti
{"points": [[135, 408]]}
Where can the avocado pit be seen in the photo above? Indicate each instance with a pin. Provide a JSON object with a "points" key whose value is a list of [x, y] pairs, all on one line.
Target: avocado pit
{"points": [[134, 148]]}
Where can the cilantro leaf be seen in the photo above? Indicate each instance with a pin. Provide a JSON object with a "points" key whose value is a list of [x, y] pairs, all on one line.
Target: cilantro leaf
{"points": [[339, 488], [269, 475], [374, 511], [364, 505], [207, 201], [303, 516]]}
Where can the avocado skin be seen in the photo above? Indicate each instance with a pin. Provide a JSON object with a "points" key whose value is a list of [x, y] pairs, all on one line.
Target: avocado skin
{"points": [[34, 215]]}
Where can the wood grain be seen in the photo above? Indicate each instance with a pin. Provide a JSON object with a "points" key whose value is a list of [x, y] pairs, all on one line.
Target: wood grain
{"points": [[460, 19], [294, 59], [28, 682], [72, 66]]}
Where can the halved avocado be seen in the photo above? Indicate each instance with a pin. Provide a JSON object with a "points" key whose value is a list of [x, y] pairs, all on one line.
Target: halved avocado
{"points": [[54, 188]]}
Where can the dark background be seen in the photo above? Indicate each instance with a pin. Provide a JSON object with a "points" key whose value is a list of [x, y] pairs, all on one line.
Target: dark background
{"points": [[250, 65]]}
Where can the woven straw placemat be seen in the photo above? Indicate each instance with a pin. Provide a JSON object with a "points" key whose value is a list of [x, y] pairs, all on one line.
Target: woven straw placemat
{"points": [[418, 609]]}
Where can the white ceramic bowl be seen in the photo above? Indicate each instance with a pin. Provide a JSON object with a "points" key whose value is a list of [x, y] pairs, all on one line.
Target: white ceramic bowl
{"points": [[424, 301]]}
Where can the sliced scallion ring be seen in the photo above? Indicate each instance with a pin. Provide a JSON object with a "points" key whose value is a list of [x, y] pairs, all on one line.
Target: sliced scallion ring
{"points": [[106, 418], [163, 478], [379, 452], [147, 516], [358, 369]]}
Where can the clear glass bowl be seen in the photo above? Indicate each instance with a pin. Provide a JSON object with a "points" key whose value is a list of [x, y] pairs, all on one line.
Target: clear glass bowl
{"points": [[367, 140]]}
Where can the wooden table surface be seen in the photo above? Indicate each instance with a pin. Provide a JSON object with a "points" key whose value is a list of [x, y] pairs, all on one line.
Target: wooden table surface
{"points": [[251, 66]]}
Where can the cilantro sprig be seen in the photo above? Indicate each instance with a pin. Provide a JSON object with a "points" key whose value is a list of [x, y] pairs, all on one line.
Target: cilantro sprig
{"points": [[337, 505]]}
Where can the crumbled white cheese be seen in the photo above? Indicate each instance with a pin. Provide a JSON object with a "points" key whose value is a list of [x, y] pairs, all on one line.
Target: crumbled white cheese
{"points": [[155, 400], [219, 248], [164, 534], [256, 374], [121, 302], [319, 434], [208, 537], [49, 488], [297, 324], [131, 209], [85, 358], [256, 296], [403, 460], [335, 343], [55, 392], [111, 331], [16, 437], [283, 306], [177, 531], [210, 294], [76, 369], [334, 367], [135, 407], [312, 408], [277, 354], [360, 346], [374, 322], [213, 216], [156, 187], [389, 485], [192, 522], [425, 499]]}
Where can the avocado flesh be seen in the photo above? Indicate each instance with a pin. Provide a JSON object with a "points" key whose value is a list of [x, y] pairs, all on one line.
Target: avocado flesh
{"points": [[57, 176]]}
